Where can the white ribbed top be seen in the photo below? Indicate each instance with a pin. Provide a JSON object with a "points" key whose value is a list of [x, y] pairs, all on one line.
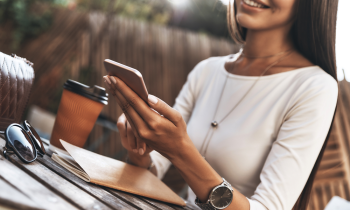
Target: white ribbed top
{"points": [[267, 146]]}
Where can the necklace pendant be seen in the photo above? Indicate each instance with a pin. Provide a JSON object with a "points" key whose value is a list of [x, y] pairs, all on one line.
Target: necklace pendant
{"points": [[214, 124]]}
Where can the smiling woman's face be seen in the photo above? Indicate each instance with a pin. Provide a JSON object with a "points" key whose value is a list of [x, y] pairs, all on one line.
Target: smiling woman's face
{"points": [[264, 14]]}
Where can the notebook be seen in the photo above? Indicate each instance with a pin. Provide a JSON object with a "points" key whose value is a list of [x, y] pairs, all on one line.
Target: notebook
{"points": [[108, 172]]}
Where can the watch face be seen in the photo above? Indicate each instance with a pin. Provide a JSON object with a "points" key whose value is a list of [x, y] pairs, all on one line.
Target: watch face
{"points": [[221, 197]]}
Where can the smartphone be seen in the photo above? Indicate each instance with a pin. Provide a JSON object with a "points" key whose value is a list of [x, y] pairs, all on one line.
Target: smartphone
{"points": [[131, 77]]}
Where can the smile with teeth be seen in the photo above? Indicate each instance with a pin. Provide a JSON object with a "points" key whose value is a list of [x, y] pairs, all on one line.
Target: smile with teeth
{"points": [[254, 4]]}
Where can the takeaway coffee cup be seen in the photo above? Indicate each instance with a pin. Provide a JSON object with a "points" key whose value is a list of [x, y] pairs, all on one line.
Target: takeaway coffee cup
{"points": [[79, 108]]}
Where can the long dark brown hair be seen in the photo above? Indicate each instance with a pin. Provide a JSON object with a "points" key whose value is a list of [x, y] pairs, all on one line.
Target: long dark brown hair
{"points": [[313, 34]]}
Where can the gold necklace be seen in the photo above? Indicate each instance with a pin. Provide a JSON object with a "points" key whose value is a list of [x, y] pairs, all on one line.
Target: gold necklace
{"points": [[214, 124], [266, 56]]}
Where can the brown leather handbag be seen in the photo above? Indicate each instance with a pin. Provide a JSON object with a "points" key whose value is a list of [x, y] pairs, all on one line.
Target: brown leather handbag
{"points": [[16, 79]]}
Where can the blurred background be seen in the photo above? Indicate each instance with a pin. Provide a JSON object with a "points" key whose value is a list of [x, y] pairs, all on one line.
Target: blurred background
{"points": [[164, 40]]}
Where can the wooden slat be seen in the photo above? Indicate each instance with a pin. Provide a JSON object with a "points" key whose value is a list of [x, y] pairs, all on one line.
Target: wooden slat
{"points": [[14, 198], [115, 198], [315, 201], [57, 184], [342, 191], [131, 199], [94, 190], [333, 161], [160, 205], [32, 188], [60, 186], [331, 153], [192, 206], [120, 197]]}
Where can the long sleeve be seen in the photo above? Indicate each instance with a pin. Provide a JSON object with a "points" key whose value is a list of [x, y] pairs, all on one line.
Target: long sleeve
{"points": [[184, 104], [267, 146], [297, 146]]}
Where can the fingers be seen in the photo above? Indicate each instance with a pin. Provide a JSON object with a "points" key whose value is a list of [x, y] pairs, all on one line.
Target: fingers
{"points": [[132, 116], [126, 134], [136, 143], [131, 137], [134, 123], [109, 85], [141, 145], [164, 109], [107, 80], [142, 109], [121, 124], [126, 129], [133, 100]]}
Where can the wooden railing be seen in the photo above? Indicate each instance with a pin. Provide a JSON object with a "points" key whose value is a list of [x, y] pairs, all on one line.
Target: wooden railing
{"points": [[333, 175], [77, 43]]}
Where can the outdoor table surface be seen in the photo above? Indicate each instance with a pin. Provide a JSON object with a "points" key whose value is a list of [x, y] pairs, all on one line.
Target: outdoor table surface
{"points": [[43, 184]]}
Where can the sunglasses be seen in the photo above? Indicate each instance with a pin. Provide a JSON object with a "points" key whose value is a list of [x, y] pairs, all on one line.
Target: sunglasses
{"points": [[24, 141]]}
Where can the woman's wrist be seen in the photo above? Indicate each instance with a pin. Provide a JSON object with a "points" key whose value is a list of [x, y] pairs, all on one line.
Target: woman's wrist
{"points": [[196, 171], [184, 150]]}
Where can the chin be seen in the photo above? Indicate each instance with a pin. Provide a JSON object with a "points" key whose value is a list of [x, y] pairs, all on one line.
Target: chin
{"points": [[249, 22], [264, 14]]}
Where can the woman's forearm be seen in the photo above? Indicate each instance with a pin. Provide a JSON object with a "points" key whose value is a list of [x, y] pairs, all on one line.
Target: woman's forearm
{"points": [[166, 132], [196, 171], [201, 177]]}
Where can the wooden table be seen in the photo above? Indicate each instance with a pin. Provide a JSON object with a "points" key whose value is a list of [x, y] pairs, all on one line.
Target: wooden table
{"points": [[43, 184]]}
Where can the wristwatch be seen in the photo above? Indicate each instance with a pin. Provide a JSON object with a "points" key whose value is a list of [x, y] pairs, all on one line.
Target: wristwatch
{"points": [[219, 198]]}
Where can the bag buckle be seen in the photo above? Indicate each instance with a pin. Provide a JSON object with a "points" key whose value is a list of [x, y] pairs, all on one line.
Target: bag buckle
{"points": [[23, 59]]}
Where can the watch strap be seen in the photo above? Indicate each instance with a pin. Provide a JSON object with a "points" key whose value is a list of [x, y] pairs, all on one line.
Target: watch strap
{"points": [[204, 206], [227, 184]]}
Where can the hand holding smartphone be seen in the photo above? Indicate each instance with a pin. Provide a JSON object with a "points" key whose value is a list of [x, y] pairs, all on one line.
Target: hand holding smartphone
{"points": [[131, 77]]}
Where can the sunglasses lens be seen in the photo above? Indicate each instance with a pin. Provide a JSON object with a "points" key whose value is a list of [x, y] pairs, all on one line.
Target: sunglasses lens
{"points": [[38, 143], [21, 142]]}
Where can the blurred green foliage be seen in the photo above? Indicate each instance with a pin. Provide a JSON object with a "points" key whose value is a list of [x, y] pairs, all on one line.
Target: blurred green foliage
{"points": [[207, 16], [158, 11], [27, 18]]}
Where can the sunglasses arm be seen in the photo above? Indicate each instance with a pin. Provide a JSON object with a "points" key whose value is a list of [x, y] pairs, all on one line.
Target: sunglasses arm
{"points": [[7, 151]]}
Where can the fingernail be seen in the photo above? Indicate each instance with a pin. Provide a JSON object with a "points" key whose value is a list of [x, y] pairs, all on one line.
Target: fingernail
{"points": [[134, 150], [152, 99], [107, 79], [141, 151], [113, 80]]}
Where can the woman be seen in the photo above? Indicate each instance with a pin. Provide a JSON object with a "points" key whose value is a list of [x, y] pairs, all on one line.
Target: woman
{"points": [[257, 119]]}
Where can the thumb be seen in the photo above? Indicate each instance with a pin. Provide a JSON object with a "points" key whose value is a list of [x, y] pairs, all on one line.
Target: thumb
{"points": [[164, 109]]}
